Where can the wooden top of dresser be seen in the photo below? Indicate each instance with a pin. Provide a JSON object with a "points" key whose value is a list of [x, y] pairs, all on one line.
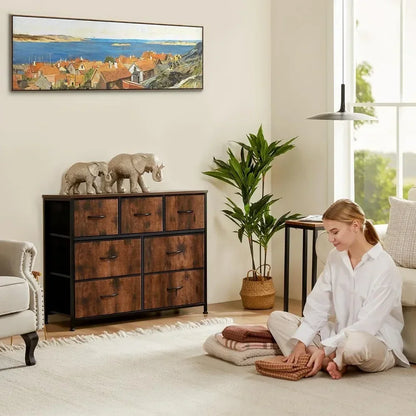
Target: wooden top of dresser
{"points": [[124, 195]]}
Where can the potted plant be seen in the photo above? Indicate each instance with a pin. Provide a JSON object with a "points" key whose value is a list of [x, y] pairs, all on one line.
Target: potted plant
{"points": [[246, 171]]}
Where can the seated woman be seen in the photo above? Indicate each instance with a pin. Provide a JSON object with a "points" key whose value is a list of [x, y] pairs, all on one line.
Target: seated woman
{"points": [[360, 286]]}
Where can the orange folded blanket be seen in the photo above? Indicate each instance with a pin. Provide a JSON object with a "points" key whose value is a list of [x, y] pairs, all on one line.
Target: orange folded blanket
{"points": [[277, 368], [247, 333]]}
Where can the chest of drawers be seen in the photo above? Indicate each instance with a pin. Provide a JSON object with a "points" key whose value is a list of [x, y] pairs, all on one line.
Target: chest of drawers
{"points": [[118, 255]]}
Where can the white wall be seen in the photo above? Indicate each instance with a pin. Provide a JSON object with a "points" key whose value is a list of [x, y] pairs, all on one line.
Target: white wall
{"points": [[301, 79], [42, 134], [264, 63]]}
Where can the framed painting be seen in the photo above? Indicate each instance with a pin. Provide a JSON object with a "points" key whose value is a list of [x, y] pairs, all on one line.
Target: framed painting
{"points": [[56, 54]]}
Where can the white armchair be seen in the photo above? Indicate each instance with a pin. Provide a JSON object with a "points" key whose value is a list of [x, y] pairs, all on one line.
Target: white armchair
{"points": [[21, 297], [408, 290]]}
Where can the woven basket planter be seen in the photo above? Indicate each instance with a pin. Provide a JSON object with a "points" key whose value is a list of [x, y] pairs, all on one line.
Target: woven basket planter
{"points": [[258, 294]]}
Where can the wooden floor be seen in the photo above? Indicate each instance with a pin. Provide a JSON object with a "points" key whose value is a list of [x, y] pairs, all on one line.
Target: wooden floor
{"points": [[58, 325]]}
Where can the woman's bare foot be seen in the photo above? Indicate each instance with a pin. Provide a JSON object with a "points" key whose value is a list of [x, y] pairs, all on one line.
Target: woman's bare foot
{"points": [[334, 372]]}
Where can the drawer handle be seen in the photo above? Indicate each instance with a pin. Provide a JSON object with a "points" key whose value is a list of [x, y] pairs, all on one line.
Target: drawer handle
{"points": [[113, 295], [171, 253], [109, 258], [142, 214], [186, 211], [174, 289], [96, 217]]}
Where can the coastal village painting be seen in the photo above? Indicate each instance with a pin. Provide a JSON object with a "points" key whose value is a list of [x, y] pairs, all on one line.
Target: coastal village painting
{"points": [[51, 53]]}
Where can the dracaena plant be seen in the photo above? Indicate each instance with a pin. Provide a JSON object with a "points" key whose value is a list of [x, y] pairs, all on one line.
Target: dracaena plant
{"points": [[246, 171]]}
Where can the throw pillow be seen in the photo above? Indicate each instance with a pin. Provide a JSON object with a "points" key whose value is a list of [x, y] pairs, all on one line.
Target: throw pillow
{"points": [[400, 241]]}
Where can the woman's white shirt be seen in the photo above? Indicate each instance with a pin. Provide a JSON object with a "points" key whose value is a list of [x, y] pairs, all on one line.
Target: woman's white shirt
{"points": [[366, 298]]}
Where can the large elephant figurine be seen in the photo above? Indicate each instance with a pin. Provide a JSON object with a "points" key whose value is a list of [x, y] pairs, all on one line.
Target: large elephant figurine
{"points": [[133, 166], [87, 172]]}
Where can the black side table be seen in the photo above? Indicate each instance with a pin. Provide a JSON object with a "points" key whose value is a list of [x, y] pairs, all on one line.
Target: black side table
{"points": [[305, 226]]}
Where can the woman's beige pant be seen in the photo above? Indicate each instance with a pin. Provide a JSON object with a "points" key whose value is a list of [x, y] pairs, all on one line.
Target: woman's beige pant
{"points": [[360, 349]]}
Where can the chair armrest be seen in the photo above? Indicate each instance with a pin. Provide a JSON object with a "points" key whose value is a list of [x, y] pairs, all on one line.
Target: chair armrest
{"points": [[17, 259]]}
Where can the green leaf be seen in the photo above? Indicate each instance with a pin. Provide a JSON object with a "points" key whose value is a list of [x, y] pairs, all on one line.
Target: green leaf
{"points": [[245, 170]]}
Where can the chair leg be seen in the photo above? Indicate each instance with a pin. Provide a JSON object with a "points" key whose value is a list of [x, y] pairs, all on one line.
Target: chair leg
{"points": [[31, 340]]}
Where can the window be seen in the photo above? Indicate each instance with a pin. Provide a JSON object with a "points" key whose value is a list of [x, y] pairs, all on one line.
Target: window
{"points": [[385, 64]]}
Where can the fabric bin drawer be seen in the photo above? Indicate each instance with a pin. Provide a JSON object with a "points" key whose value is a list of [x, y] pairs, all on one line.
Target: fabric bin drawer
{"points": [[107, 296], [173, 253], [141, 215], [95, 217], [173, 289], [185, 212], [107, 258]]}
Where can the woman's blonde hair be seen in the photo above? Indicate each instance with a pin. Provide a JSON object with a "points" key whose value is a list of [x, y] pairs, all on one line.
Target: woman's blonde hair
{"points": [[345, 210]]}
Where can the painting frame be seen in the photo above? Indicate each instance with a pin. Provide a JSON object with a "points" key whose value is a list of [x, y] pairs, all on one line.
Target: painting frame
{"points": [[78, 54]]}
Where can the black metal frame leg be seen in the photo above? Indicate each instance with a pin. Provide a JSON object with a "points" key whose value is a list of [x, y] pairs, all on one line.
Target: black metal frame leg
{"points": [[304, 267], [286, 270], [314, 258]]}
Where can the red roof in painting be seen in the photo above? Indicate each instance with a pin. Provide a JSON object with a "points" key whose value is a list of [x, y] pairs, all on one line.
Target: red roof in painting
{"points": [[130, 85], [115, 74]]}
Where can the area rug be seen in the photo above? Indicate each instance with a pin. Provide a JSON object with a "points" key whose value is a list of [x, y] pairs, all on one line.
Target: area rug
{"points": [[164, 371]]}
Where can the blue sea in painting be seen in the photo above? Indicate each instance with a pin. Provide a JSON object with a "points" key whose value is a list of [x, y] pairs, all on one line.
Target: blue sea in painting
{"points": [[91, 49]]}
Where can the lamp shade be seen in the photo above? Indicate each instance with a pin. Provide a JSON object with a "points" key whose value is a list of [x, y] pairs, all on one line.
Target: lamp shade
{"points": [[341, 114]]}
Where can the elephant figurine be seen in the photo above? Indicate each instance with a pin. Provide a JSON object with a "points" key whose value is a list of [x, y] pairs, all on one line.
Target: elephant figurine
{"points": [[133, 166], [87, 172]]}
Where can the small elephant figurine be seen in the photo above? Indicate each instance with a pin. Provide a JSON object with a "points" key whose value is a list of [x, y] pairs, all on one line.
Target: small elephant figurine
{"points": [[85, 172], [133, 166]]}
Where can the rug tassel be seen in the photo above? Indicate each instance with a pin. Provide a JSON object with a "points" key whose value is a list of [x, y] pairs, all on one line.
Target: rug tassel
{"points": [[81, 339]]}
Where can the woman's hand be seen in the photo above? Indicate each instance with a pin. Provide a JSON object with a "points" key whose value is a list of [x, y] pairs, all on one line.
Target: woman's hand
{"points": [[316, 360], [299, 350]]}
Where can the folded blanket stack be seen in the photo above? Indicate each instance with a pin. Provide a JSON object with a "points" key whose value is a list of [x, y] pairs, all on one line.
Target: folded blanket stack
{"points": [[277, 368], [248, 333], [242, 345]]}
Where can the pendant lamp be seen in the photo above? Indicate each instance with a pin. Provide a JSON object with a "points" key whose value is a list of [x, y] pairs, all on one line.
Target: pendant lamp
{"points": [[341, 114]]}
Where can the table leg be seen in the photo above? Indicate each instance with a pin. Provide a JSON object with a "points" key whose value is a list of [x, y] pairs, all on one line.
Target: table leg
{"points": [[286, 270], [304, 267], [314, 258]]}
